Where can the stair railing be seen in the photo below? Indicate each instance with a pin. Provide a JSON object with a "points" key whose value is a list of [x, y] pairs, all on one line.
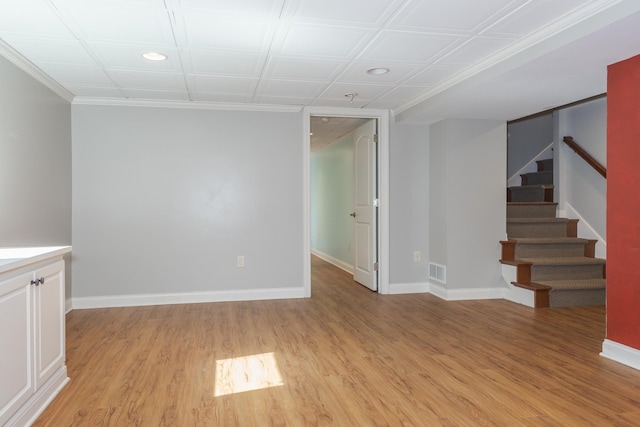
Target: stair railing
{"points": [[585, 156]]}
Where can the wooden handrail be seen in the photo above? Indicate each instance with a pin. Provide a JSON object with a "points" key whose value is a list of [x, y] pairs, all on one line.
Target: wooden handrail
{"points": [[586, 156]]}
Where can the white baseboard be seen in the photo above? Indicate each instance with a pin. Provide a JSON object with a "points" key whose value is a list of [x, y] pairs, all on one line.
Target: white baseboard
{"points": [[621, 353], [408, 288], [465, 293], [68, 305], [332, 260], [514, 293], [186, 298]]}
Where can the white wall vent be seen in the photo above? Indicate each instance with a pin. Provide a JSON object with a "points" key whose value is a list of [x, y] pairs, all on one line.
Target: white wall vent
{"points": [[438, 272]]}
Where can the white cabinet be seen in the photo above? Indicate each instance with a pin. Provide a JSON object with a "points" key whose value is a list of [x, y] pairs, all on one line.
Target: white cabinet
{"points": [[32, 339]]}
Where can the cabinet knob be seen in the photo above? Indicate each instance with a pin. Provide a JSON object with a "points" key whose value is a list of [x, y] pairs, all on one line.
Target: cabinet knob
{"points": [[41, 280], [35, 282]]}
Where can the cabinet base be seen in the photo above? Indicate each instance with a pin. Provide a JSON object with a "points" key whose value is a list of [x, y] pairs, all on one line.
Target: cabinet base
{"points": [[31, 410]]}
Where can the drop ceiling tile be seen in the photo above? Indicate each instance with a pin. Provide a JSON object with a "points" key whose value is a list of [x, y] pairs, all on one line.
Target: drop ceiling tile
{"points": [[245, 7], [353, 12], [200, 30], [153, 94], [340, 103], [222, 85], [289, 88], [282, 100], [51, 50], [129, 57], [455, 16], [77, 74], [364, 91], [222, 62], [95, 92], [323, 41], [302, 69], [32, 17], [476, 49], [120, 4], [404, 46], [534, 15], [397, 97], [220, 97], [357, 72], [144, 26], [145, 80], [434, 74]]}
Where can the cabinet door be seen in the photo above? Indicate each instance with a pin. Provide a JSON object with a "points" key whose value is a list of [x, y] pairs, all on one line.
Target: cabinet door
{"points": [[49, 321], [16, 340]]}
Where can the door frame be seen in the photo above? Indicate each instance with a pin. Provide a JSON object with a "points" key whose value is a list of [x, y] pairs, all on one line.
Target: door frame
{"points": [[383, 187]]}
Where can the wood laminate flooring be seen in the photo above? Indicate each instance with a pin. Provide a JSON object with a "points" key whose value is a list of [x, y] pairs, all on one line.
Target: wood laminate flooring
{"points": [[345, 357]]}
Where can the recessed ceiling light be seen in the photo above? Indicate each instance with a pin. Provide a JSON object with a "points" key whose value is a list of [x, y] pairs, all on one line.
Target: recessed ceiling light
{"points": [[154, 56], [377, 71]]}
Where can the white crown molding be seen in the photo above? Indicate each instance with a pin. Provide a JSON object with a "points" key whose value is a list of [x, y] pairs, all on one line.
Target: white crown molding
{"points": [[31, 69], [118, 102], [573, 26]]}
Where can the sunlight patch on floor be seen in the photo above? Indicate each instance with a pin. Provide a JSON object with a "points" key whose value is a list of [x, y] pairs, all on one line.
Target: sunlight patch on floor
{"points": [[247, 373]]}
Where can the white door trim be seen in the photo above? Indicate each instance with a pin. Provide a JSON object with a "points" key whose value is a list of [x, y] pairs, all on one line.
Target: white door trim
{"points": [[383, 188]]}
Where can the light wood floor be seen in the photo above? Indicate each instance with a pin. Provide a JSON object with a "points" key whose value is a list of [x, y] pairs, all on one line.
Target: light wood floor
{"points": [[347, 357]]}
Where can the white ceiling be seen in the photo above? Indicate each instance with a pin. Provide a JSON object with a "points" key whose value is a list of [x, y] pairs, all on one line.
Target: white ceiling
{"points": [[454, 58]]}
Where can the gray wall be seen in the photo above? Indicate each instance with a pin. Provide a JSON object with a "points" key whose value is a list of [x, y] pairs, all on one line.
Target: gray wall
{"points": [[527, 139], [467, 200], [582, 191], [409, 203], [332, 198], [35, 163], [166, 199]]}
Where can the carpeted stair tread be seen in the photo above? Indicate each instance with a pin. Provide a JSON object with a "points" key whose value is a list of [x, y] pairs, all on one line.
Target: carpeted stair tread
{"points": [[545, 165], [531, 209], [549, 240], [565, 261], [536, 220], [531, 203], [562, 285]]}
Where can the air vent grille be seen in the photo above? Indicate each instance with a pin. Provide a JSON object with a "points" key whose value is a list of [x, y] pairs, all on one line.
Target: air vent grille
{"points": [[438, 272]]}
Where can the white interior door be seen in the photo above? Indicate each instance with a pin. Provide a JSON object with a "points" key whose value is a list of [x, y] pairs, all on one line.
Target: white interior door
{"points": [[365, 193]]}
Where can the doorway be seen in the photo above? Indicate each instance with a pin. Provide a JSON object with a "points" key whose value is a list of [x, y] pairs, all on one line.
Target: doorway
{"points": [[370, 219]]}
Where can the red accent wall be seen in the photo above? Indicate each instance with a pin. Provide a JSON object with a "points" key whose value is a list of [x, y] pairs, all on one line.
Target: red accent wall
{"points": [[623, 202]]}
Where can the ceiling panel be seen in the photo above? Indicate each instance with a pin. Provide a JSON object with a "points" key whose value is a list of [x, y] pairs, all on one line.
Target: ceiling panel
{"points": [[323, 41], [198, 29], [33, 18], [293, 68], [228, 85], [222, 62], [80, 75], [171, 82], [455, 16], [310, 52], [403, 46], [354, 12]]}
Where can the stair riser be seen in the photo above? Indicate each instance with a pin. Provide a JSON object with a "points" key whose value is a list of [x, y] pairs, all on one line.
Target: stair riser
{"points": [[577, 298], [524, 194], [566, 272], [537, 178], [557, 229], [545, 165], [525, 250], [528, 211]]}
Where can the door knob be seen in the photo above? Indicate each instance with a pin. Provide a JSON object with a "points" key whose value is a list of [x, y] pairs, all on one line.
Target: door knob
{"points": [[353, 214]]}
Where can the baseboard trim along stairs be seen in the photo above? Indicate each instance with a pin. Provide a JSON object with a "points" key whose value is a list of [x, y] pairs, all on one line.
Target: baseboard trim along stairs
{"points": [[551, 262]]}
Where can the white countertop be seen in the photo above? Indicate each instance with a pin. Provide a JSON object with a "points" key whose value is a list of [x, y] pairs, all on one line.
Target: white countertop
{"points": [[12, 258]]}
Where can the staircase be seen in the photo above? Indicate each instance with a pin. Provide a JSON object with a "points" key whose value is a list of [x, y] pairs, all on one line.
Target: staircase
{"points": [[551, 261]]}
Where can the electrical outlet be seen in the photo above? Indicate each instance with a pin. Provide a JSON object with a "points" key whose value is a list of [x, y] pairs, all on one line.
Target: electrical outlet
{"points": [[240, 261], [416, 256]]}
